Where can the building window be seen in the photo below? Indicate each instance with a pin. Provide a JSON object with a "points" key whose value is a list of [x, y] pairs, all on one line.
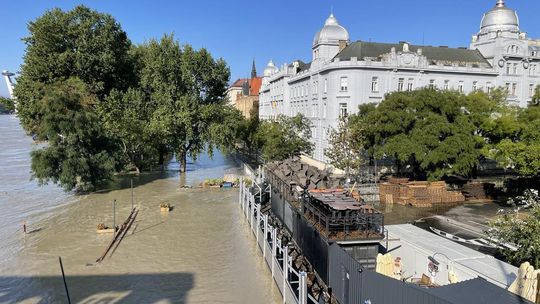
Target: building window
{"points": [[432, 84], [410, 84], [508, 64], [460, 87], [514, 89], [488, 87], [515, 68], [475, 86], [344, 84], [446, 85], [324, 110], [343, 110], [375, 84], [531, 90], [507, 86], [325, 85], [400, 84]]}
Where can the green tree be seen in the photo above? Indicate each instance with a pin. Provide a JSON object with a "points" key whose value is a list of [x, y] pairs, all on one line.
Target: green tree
{"points": [[284, 137], [78, 43], [7, 104], [77, 155], [248, 133], [434, 133], [346, 150], [186, 88], [519, 149], [125, 116], [523, 231]]}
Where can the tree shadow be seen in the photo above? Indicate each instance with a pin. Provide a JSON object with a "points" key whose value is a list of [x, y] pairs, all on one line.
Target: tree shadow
{"points": [[128, 288]]}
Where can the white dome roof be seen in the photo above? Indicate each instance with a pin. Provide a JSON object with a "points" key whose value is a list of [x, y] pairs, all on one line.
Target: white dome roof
{"points": [[500, 18], [332, 32], [270, 69]]}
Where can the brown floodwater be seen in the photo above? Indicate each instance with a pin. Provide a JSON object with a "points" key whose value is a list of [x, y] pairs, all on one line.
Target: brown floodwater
{"points": [[201, 252]]}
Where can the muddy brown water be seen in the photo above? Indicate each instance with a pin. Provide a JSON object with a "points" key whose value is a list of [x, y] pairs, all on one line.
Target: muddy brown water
{"points": [[201, 252]]}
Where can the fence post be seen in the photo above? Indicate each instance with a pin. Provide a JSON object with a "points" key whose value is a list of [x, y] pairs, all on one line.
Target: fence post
{"points": [[252, 214], [258, 225], [274, 234], [302, 296], [285, 272], [241, 190], [265, 234]]}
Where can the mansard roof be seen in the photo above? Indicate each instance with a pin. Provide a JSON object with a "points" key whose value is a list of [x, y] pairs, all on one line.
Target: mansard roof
{"points": [[362, 49]]}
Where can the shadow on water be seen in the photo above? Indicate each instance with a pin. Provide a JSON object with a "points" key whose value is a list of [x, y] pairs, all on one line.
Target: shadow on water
{"points": [[129, 288]]}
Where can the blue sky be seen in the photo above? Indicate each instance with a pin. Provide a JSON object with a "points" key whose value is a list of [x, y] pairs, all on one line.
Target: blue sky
{"points": [[278, 29]]}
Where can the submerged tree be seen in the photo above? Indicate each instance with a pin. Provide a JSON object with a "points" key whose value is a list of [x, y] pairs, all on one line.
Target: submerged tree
{"points": [[284, 137], [77, 154], [186, 89]]}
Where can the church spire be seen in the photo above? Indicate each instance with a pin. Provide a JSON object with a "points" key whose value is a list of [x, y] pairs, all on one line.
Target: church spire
{"points": [[253, 70]]}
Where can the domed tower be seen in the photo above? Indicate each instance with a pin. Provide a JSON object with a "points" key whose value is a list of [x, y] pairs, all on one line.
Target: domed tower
{"points": [[499, 22], [330, 40], [270, 69]]}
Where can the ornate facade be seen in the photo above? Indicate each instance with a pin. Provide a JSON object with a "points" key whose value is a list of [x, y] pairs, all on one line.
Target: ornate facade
{"points": [[343, 75]]}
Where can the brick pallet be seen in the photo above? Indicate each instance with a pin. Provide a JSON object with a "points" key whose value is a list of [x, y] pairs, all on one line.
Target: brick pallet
{"points": [[417, 194]]}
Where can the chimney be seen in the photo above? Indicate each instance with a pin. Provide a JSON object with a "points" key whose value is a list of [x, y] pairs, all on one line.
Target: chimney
{"points": [[342, 45]]}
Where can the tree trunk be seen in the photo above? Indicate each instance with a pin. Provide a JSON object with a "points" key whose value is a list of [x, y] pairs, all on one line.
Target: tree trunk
{"points": [[161, 156], [182, 159]]}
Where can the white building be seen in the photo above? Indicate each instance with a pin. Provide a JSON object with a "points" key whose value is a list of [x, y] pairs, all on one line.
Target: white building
{"points": [[343, 75]]}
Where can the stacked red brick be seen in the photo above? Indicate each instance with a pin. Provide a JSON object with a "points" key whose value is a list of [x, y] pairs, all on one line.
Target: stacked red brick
{"points": [[417, 194]]}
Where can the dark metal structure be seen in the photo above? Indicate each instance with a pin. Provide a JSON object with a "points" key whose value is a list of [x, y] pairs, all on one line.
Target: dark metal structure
{"points": [[339, 217]]}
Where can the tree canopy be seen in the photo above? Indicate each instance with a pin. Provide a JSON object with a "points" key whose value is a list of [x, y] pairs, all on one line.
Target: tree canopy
{"points": [[523, 231], [77, 152], [79, 43], [428, 132], [284, 137]]}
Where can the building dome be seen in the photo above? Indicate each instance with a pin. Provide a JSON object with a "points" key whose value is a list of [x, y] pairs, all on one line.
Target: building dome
{"points": [[270, 69], [500, 18], [332, 32]]}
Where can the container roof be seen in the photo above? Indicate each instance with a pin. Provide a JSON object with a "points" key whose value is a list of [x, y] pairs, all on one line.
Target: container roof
{"points": [[487, 267]]}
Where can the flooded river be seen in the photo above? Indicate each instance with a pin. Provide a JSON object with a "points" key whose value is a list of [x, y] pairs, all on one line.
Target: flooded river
{"points": [[201, 252]]}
